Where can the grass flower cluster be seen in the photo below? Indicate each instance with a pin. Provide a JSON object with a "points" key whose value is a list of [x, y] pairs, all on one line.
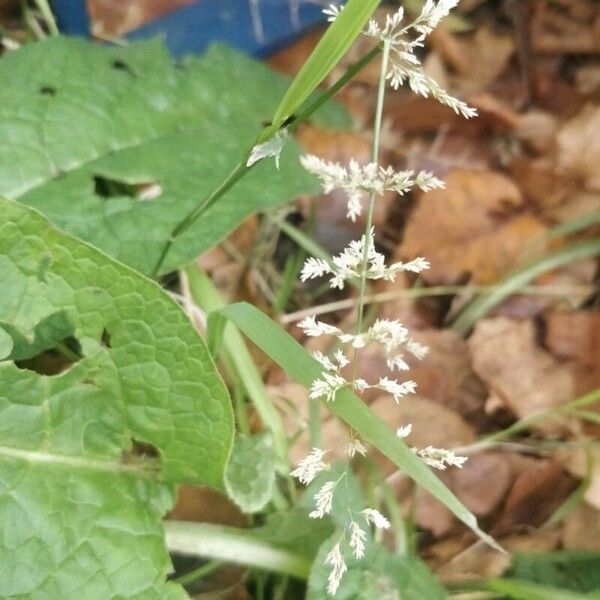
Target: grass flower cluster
{"points": [[361, 261]]}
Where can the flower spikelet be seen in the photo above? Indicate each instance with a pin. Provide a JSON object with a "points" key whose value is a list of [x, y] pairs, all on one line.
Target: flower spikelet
{"points": [[438, 458], [374, 516], [323, 500], [338, 567], [310, 466], [358, 537]]}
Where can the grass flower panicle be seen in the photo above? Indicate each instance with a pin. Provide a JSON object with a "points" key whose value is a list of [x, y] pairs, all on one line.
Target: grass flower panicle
{"points": [[360, 261]]}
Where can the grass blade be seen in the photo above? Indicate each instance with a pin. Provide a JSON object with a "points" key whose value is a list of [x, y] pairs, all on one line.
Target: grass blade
{"points": [[511, 284], [302, 367], [233, 545], [526, 590], [208, 298], [330, 49]]}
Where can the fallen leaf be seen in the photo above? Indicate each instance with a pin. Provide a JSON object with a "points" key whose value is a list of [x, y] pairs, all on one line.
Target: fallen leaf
{"points": [[470, 228], [478, 561], [579, 147], [481, 485], [489, 54], [574, 335], [112, 19], [582, 529], [535, 496], [525, 377]]}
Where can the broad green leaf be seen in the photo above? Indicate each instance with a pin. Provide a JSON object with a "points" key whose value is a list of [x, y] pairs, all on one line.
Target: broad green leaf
{"points": [[6, 344], [80, 510], [380, 575], [330, 49], [117, 144], [303, 368], [250, 473], [295, 530], [573, 570]]}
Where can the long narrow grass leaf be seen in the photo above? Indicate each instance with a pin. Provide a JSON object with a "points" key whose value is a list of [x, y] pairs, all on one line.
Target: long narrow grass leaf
{"points": [[511, 284], [208, 298], [302, 367], [330, 49]]}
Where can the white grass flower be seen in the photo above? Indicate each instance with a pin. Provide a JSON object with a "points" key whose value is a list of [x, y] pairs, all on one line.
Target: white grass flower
{"points": [[360, 385], [398, 390], [323, 500], [314, 328], [332, 12], [338, 567], [405, 66], [325, 361], [404, 431], [314, 268], [432, 13], [417, 350], [341, 358], [357, 181], [438, 458], [358, 537], [354, 447], [308, 468], [375, 517], [327, 386]]}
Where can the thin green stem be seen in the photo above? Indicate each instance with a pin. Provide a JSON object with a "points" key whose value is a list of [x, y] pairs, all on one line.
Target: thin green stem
{"points": [[374, 159], [48, 16], [200, 572], [232, 545], [241, 169]]}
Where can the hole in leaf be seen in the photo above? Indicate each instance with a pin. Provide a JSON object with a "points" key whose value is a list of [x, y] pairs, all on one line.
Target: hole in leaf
{"points": [[105, 339], [105, 187], [48, 90], [55, 360], [140, 453], [121, 65]]}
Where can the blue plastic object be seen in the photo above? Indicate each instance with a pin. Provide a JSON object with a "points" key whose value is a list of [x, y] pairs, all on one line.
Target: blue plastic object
{"points": [[257, 27]]}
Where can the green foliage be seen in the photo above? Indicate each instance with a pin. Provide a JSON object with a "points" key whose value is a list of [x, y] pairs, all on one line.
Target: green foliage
{"points": [[380, 575], [6, 344], [80, 509], [294, 530], [303, 368], [571, 570], [116, 145], [514, 281], [330, 49], [250, 473]]}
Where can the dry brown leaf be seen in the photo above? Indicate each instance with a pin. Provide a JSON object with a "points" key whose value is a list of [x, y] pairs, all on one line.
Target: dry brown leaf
{"points": [[112, 19], [433, 424], [525, 377], [575, 335], [579, 147], [468, 228], [538, 128], [481, 485], [535, 496], [582, 529], [575, 460], [489, 54], [476, 562]]}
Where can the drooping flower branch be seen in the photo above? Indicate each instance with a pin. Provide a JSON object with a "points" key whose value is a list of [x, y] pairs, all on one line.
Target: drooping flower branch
{"points": [[361, 261]]}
